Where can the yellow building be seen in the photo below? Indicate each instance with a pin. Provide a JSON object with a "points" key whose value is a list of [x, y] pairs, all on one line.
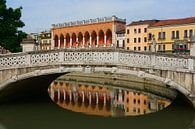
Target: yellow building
{"points": [[171, 35], [137, 35], [45, 40]]}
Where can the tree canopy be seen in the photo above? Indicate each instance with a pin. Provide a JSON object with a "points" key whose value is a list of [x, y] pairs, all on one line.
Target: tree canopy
{"points": [[10, 35]]}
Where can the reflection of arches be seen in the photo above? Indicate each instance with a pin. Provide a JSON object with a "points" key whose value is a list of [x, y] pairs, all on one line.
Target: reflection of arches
{"points": [[108, 38], [94, 39], [87, 36], [56, 41], [80, 39], [101, 38], [67, 40], [61, 41]]}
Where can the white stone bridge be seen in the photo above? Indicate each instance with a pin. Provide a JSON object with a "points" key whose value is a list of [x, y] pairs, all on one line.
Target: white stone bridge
{"points": [[176, 71]]}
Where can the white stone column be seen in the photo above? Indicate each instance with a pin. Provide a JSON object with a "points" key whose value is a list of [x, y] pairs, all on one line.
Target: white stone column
{"points": [[104, 99], [83, 45], [105, 38], [89, 97], [65, 43], [97, 42], [77, 41], [52, 93], [59, 44], [64, 95], [97, 98], [83, 96], [70, 42], [90, 41]]}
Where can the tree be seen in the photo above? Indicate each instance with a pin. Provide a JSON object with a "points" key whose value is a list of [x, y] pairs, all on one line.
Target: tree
{"points": [[10, 35]]}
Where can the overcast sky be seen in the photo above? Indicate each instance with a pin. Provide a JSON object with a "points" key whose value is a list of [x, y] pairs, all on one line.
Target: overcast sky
{"points": [[38, 15]]}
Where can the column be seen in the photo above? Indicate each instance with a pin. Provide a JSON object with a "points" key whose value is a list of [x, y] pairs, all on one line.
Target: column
{"points": [[97, 45], [89, 97], [70, 42], [90, 41], [105, 38], [64, 42], [77, 41], [83, 45], [52, 93], [104, 99], [64, 95], [97, 99], [83, 96], [59, 44]]}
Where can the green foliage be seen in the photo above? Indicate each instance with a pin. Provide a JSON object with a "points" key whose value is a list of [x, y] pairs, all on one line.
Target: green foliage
{"points": [[10, 36]]}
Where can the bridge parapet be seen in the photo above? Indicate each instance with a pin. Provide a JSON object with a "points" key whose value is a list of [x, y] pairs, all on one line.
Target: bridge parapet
{"points": [[101, 57]]}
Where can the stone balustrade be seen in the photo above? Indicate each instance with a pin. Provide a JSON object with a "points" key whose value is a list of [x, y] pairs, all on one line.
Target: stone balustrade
{"points": [[98, 57]]}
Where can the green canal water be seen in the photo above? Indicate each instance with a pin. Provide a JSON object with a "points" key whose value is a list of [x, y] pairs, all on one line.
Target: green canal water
{"points": [[41, 112]]}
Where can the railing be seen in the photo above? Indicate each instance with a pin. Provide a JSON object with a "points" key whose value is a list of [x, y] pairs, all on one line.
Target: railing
{"points": [[97, 57], [90, 21]]}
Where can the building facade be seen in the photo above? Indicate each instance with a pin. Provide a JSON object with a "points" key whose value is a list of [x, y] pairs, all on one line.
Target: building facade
{"points": [[45, 40], [172, 35], [93, 33], [120, 39], [137, 35]]}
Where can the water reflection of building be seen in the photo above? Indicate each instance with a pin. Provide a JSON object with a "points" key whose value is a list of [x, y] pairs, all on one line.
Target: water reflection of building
{"points": [[104, 101]]}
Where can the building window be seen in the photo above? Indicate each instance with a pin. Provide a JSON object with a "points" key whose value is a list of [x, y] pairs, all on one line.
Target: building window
{"points": [[139, 48], [138, 111], [159, 47], [145, 48], [191, 33], [123, 43], [127, 48], [149, 48], [128, 40], [139, 30], [127, 100], [177, 34], [127, 109], [185, 33], [135, 31], [164, 47], [145, 102], [163, 35], [149, 36], [127, 31], [145, 30], [138, 101], [134, 109], [117, 43], [139, 40], [173, 34], [145, 39], [159, 35], [135, 48], [134, 101], [135, 40]]}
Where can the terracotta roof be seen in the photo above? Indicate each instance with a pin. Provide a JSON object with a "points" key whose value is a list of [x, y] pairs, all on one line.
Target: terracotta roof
{"points": [[174, 22], [143, 22]]}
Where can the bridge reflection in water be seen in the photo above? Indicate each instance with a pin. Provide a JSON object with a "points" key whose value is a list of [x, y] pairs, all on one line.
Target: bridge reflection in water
{"points": [[104, 101]]}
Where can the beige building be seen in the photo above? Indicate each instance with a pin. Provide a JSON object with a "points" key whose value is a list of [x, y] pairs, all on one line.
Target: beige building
{"points": [[137, 35]]}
